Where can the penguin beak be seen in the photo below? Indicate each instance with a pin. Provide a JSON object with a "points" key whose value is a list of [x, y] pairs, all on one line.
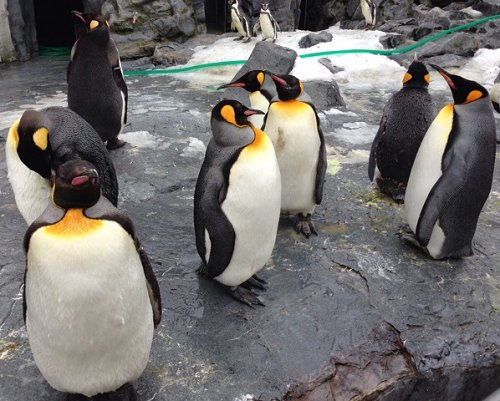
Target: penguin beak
{"points": [[445, 75], [250, 112], [232, 85], [79, 15], [279, 80]]}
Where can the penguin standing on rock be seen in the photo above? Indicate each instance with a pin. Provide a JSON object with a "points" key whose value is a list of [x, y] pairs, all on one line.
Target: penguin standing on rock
{"points": [[96, 87], [237, 202], [261, 90], [91, 300], [404, 122], [240, 21], [453, 172], [267, 24], [39, 142], [369, 11], [294, 128]]}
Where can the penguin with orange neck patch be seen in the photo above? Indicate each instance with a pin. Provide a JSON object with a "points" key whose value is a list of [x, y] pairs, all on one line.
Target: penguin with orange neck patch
{"points": [[96, 87], [405, 120], [237, 202], [452, 174], [39, 142], [261, 90], [294, 128], [91, 300]]}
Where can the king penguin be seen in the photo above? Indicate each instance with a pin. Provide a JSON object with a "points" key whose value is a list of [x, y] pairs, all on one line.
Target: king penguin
{"points": [[96, 87], [91, 300], [453, 171], [38, 143], [294, 128], [237, 202], [405, 120], [240, 22], [369, 11], [267, 24], [261, 90]]}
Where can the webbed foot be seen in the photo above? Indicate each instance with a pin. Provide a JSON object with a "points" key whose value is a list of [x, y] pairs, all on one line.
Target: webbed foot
{"points": [[304, 225], [245, 295], [255, 282], [114, 143], [239, 38]]}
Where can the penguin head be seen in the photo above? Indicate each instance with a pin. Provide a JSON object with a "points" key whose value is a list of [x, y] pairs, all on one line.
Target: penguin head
{"points": [[463, 90], [233, 112], [417, 76], [264, 7], [251, 81], [92, 21], [287, 86], [76, 185], [33, 146]]}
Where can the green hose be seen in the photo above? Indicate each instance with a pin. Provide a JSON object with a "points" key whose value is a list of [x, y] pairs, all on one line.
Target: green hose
{"points": [[405, 49]]}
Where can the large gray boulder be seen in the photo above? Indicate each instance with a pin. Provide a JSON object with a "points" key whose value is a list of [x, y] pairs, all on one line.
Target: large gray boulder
{"points": [[314, 38]]}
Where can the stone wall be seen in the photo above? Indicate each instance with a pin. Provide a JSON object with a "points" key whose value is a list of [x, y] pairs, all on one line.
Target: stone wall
{"points": [[7, 51]]}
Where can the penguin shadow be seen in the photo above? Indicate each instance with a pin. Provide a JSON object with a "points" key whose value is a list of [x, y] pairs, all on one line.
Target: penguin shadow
{"points": [[126, 392]]}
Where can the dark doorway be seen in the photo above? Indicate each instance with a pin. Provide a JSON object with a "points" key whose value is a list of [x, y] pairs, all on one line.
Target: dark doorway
{"points": [[54, 21], [216, 16]]}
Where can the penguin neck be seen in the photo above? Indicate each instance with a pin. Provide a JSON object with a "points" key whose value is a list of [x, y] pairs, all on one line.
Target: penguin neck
{"points": [[226, 134], [73, 223]]}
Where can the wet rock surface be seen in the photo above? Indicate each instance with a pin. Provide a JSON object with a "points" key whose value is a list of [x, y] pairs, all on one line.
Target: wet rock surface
{"points": [[351, 311]]}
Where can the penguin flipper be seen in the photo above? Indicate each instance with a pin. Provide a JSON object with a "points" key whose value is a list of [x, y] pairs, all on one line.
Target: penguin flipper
{"points": [[320, 169], [373, 150], [114, 61], [256, 27], [441, 194], [104, 210]]}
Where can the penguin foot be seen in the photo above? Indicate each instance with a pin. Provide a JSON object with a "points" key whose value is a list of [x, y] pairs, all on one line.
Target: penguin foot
{"points": [[260, 280], [246, 296], [240, 38], [410, 239], [304, 225], [115, 143], [396, 190], [252, 282], [247, 40]]}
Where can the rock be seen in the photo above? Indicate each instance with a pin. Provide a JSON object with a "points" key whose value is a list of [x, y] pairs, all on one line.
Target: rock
{"points": [[391, 41], [143, 63], [171, 54], [459, 43], [322, 14], [328, 64], [436, 3], [404, 27], [22, 28], [265, 56], [324, 95], [425, 28], [314, 38], [395, 10], [448, 61]]}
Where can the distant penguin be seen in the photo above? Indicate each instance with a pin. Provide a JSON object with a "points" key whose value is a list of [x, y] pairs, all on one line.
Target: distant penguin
{"points": [[267, 24], [405, 120], [237, 202], [369, 10], [38, 143], [240, 21], [261, 90], [495, 100], [453, 171], [294, 128], [91, 300], [96, 87]]}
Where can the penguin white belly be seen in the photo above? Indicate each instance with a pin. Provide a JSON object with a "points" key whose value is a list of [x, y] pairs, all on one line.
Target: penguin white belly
{"points": [[89, 318], [252, 205], [258, 101], [425, 172], [266, 27], [294, 132], [31, 190], [366, 11], [237, 23]]}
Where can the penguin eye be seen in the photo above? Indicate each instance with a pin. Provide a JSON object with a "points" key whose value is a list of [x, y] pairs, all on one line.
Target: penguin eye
{"points": [[93, 24], [228, 113], [407, 77], [40, 137]]}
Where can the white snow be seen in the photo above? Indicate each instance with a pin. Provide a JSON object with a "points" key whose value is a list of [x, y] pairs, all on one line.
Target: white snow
{"points": [[140, 139]]}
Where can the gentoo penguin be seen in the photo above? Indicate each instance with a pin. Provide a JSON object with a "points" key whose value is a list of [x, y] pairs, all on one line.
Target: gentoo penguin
{"points": [[294, 128], [267, 24], [369, 10], [38, 143], [405, 120], [91, 299], [237, 201], [240, 22], [96, 87], [261, 90], [453, 171]]}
